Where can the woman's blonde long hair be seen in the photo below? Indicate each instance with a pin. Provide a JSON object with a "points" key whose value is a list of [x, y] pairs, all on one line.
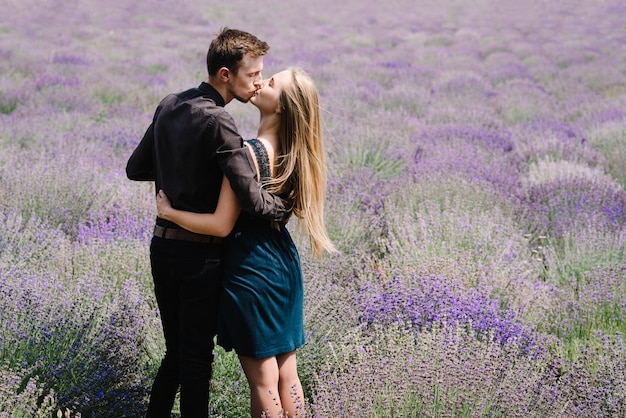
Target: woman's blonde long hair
{"points": [[301, 168]]}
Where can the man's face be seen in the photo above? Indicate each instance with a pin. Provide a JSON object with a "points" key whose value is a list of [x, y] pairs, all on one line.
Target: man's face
{"points": [[248, 79]]}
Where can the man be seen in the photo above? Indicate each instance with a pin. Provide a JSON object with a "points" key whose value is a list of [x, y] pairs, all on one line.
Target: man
{"points": [[190, 144]]}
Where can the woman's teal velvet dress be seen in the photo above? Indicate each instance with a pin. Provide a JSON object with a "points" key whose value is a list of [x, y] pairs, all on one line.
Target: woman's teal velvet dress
{"points": [[261, 304]]}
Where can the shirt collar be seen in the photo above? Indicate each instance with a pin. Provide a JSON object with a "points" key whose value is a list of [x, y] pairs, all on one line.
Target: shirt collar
{"points": [[210, 91]]}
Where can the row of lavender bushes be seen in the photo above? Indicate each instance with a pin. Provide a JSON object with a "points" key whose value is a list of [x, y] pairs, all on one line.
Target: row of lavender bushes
{"points": [[477, 165]]}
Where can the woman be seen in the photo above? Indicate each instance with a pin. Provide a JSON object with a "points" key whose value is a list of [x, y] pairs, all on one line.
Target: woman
{"points": [[262, 296]]}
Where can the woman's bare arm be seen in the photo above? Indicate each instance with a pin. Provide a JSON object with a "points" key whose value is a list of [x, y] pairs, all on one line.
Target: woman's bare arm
{"points": [[218, 224]]}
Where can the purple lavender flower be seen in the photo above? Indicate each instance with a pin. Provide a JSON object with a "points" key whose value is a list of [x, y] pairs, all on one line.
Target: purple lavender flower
{"points": [[434, 302], [482, 154], [60, 58], [558, 206], [48, 80], [114, 227]]}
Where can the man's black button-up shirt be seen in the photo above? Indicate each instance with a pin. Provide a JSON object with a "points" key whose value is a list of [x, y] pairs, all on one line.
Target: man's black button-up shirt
{"points": [[190, 144]]}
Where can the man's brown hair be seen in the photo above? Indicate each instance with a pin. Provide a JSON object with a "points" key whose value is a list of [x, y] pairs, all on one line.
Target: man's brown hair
{"points": [[229, 47]]}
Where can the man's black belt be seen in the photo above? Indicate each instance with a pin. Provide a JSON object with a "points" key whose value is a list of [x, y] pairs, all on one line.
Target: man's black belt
{"points": [[184, 235]]}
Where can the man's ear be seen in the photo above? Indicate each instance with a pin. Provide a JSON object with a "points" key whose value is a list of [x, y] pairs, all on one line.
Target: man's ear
{"points": [[223, 74]]}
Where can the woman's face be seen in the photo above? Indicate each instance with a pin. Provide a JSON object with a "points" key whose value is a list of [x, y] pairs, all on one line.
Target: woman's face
{"points": [[267, 98]]}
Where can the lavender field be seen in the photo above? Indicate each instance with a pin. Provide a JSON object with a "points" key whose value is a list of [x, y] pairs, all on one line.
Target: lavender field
{"points": [[477, 178]]}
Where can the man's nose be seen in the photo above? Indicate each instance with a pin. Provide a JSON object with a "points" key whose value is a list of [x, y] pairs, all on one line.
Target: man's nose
{"points": [[259, 83]]}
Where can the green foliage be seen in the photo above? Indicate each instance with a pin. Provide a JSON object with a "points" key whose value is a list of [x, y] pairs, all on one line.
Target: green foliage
{"points": [[407, 407], [610, 140], [155, 69], [374, 157], [110, 97], [7, 105], [230, 394]]}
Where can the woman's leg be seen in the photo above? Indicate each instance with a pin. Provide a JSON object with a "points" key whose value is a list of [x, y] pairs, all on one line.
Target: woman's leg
{"points": [[262, 375], [290, 389]]}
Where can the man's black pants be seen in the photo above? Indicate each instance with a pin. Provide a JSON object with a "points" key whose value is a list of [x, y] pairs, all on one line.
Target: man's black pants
{"points": [[187, 277]]}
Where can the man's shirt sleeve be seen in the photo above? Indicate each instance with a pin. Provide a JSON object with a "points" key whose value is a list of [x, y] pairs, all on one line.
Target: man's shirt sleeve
{"points": [[140, 165], [236, 162]]}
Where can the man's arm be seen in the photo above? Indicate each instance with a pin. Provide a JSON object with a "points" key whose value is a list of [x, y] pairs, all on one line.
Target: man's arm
{"points": [[140, 165], [236, 163]]}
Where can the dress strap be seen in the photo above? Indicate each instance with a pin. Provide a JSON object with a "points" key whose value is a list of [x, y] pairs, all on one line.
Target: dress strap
{"points": [[262, 158]]}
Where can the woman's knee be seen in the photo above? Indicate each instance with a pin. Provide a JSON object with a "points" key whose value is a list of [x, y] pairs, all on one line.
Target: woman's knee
{"points": [[260, 372], [287, 366]]}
